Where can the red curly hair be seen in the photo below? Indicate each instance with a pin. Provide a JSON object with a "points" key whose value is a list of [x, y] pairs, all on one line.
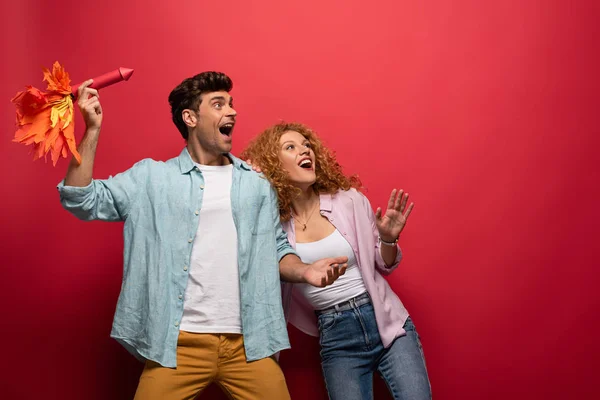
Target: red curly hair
{"points": [[264, 152]]}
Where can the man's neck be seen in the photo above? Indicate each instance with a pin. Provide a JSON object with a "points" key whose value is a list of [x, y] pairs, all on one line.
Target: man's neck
{"points": [[202, 157]]}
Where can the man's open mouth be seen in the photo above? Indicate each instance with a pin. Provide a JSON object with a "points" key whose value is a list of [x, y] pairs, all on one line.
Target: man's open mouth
{"points": [[226, 129]]}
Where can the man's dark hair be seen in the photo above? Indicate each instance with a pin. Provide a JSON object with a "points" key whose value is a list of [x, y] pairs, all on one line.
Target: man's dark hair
{"points": [[187, 95]]}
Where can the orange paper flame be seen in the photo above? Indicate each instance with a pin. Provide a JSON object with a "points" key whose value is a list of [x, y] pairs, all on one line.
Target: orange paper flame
{"points": [[45, 119]]}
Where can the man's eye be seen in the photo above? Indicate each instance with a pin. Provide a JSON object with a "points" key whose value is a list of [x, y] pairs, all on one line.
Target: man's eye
{"points": [[217, 105]]}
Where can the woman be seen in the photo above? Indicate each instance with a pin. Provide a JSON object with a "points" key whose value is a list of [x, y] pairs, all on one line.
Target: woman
{"points": [[362, 324]]}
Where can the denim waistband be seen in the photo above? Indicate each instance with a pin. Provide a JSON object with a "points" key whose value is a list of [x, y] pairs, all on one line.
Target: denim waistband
{"points": [[346, 305]]}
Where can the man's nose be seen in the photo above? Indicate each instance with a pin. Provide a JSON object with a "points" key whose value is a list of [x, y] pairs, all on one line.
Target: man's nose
{"points": [[231, 112]]}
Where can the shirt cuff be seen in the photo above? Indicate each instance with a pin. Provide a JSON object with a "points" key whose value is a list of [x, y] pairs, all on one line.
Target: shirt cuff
{"points": [[74, 192], [381, 262], [285, 252]]}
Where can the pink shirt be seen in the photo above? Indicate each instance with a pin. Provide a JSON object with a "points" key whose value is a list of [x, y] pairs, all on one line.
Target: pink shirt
{"points": [[351, 214]]}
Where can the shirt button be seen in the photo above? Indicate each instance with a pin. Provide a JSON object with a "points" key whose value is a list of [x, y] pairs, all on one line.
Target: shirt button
{"points": [[185, 267], [196, 212], [176, 323], [180, 297], [202, 187], [190, 240]]}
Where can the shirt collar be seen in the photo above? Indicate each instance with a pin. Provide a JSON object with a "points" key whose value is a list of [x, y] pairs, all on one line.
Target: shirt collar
{"points": [[326, 200], [186, 164]]}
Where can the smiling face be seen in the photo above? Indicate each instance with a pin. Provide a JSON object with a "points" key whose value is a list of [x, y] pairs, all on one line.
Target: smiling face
{"points": [[280, 149], [297, 159], [212, 124]]}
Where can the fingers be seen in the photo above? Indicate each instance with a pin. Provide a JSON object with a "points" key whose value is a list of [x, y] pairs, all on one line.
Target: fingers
{"points": [[91, 92], [338, 270], [398, 201], [378, 213], [84, 92], [98, 108], [90, 98], [330, 275], [255, 168], [90, 101], [337, 260], [83, 86], [91, 105], [328, 270], [404, 201], [333, 274], [391, 199], [410, 207]]}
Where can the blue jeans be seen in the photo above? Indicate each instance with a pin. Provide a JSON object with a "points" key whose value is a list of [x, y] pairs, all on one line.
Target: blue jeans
{"points": [[351, 351]]}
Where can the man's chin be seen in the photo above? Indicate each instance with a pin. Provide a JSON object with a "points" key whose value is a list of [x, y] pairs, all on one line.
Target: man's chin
{"points": [[226, 148]]}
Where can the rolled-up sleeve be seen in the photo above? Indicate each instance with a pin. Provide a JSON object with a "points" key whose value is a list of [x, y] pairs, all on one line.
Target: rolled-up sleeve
{"points": [[380, 263], [105, 199]]}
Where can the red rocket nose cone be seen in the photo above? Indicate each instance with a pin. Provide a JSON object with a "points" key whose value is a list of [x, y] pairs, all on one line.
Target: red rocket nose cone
{"points": [[126, 73]]}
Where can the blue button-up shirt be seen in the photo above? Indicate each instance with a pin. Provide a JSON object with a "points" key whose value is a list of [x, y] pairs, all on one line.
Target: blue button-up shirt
{"points": [[159, 202]]}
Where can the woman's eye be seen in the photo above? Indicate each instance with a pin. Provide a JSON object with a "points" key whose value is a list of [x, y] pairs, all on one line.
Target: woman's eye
{"points": [[291, 146]]}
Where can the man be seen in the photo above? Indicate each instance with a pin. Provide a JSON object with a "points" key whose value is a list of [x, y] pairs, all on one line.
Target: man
{"points": [[201, 298]]}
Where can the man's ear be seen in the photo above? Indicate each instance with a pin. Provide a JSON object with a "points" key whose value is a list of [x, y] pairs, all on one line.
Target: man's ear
{"points": [[189, 118]]}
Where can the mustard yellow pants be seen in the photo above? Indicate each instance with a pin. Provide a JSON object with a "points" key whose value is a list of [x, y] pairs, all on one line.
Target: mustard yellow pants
{"points": [[204, 358]]}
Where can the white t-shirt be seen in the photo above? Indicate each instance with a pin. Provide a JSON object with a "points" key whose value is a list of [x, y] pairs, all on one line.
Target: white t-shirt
{"points": [[212, 296], [345, 287]]}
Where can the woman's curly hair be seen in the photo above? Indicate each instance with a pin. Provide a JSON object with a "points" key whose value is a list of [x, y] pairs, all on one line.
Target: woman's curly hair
{"points": [[264, 152]]}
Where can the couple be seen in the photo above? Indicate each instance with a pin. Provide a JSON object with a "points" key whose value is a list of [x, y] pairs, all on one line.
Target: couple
{"points": [[207, 242]]}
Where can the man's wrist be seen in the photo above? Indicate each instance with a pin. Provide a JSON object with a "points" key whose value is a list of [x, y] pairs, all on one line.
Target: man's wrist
{"points": [[303, 270], [93, 130]]}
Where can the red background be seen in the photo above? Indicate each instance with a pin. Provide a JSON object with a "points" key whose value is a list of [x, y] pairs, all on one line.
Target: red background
{"points": [[485, 112]]}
